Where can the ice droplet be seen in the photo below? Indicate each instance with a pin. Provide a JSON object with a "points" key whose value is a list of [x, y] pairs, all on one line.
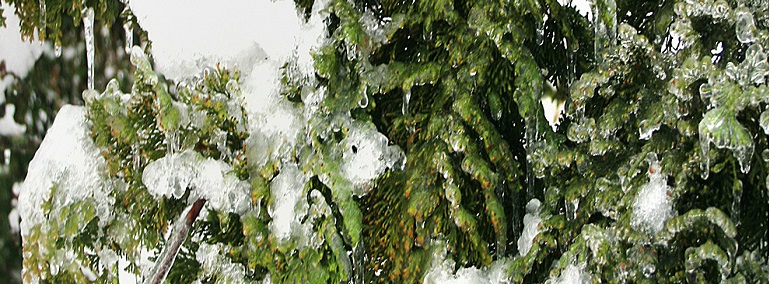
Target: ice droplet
{"points": [[744, 25], [764, 121], [88, 29], [57, 50], [364, 101]]}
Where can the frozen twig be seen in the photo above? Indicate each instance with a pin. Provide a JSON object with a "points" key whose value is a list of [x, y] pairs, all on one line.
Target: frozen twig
{"points": [[178, 236]]}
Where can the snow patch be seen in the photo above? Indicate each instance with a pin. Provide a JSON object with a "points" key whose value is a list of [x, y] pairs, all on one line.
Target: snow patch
{"points": [[213, 180], [288, 207], [367, 154], [572, 274], [531, 222], [238, 32], [441, 271], [68, 160], [652, 206]]}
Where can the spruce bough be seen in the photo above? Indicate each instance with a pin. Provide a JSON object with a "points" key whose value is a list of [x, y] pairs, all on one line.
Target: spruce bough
{"points": [[662, 96]]}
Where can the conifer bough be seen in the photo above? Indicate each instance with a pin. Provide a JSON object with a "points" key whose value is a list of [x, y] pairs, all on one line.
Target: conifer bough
{"points": [[418, 151]]}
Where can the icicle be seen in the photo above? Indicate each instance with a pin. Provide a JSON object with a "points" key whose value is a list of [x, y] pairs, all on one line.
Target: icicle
{"points": [[605, 23], [531, 136], [43, 19], [405, 104], [88, 27], [57, 50], [127, 26], [540, 30]]}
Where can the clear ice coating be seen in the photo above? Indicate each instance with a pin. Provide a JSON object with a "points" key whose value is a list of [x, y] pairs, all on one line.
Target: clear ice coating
{"points": [[652, 205], [57, 50], [605, 23], [88, 29], [720, 127], [745, 29]]}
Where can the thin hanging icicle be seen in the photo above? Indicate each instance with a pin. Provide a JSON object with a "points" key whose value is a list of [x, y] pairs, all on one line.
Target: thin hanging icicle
{"points": [[175, 240], [531, 135], [605, 25], [405, 102], [42, 19], [88, 28], [127, 26]]}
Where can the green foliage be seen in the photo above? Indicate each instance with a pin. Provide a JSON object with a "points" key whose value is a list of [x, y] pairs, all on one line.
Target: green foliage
{"points": [[49, 18], [457, 86]]}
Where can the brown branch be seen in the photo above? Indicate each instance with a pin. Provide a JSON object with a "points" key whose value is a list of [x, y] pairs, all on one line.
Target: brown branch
{"points": [[178, 236]]}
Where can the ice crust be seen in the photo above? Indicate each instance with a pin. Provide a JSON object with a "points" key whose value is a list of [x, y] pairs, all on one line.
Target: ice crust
{"points": [[175, 174], [68, 160]]}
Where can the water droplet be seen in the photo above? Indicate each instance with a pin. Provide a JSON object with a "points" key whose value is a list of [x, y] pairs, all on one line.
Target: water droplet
{"points": [[88, 29], [720, 9]]}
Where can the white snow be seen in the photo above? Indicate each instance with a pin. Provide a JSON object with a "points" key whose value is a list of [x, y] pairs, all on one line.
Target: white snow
{"points": [[288, 207], [441, 271], [8, 126], [572, 274], [531, 222], [652, 206], [367, 154], [174, 174], [67, 159]]}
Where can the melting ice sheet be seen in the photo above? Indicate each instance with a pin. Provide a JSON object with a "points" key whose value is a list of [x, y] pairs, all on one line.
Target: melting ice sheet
{"points": [[68, 160]]}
